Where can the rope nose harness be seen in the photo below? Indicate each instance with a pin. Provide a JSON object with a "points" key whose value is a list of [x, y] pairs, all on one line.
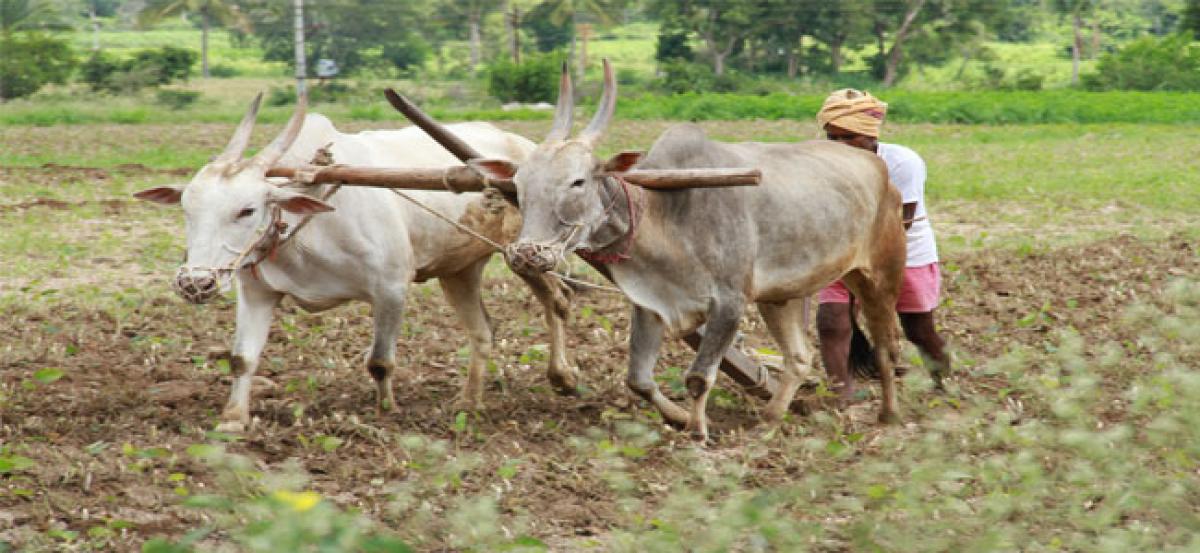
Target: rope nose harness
{"points": [[200, 284]]}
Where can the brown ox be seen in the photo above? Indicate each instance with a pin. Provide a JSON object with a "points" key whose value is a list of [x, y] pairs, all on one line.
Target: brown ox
{"points": [[691, 257]]}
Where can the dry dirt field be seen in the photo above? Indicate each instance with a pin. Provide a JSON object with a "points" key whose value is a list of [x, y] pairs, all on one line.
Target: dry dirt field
{"points": [[108, 382]]}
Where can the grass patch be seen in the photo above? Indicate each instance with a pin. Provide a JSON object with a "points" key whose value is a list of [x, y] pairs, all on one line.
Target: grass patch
{"points": [[221, 103]]}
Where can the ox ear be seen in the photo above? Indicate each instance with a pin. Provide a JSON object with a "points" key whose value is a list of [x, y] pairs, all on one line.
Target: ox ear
{"points": [[495, 169], [622, 162], [295, 202], [166, 195]]}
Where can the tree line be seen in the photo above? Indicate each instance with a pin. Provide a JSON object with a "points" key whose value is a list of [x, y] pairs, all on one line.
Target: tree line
{"points": [[788, 38]]}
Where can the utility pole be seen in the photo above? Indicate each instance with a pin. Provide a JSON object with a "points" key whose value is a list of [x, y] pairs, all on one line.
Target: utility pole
{"points": [[584, 30], [95, 26], [301, 70]]}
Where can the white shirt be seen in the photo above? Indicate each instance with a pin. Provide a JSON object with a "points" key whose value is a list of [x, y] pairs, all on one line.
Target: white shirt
{"points": [[907, 171]]}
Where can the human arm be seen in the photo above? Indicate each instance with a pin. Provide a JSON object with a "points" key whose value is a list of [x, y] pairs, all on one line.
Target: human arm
{"points": [[909, 209]]}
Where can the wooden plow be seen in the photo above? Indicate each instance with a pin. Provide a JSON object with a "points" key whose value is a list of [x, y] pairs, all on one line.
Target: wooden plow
{"points": [[755, 379]]}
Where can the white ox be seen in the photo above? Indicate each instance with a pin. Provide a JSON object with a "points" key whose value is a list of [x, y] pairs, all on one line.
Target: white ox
{"points": [[370, 246]]}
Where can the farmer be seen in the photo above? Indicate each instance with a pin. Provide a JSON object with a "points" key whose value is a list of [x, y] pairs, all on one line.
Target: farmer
{"points": [[853, 117]]}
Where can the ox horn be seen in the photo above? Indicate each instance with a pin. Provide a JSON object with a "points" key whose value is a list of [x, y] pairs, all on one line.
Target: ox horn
{"points": [[241, 137], [269, 155], [566, 107], [604, 112]]}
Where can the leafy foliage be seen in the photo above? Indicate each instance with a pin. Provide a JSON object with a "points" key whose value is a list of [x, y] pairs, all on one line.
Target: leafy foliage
{"points": [[26, 15], [1090, 447], [350, 32], [177, 99], [672, 44], [534, 80], [207, 12], [32, 60], [145, 69], [1149, 63], [272, 512], [548, 34], [981, 107]]}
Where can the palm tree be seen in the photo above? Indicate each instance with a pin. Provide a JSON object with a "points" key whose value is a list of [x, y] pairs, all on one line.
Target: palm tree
{"points": [[473, 11], [221, 12], [20, 15], [603, 11], [1076, 10]]}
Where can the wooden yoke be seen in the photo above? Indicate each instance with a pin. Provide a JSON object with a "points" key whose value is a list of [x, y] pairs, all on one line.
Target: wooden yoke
{"points": [[740, 368], [466, 179]]}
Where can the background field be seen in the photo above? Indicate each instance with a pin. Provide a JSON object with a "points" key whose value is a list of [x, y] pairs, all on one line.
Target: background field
{"points": [[1070, 254]]}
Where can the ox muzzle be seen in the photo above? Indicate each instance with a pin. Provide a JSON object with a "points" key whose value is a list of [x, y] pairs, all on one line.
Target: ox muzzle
{"points": [[532, 259], [199, 285]]}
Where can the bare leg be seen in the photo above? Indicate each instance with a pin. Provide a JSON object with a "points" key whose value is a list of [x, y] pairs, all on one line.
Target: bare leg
{"points": [[785, 322], [388, 312], [462, 291], [556, 305], [254, 307], [920, 330], [833, 328], [645, 340], [720, 330]]}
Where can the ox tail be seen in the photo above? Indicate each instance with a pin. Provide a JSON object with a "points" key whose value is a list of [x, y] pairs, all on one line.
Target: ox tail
{"points": [[863, 363]]}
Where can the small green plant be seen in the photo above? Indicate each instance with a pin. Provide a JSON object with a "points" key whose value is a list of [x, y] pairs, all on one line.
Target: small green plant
{"points": [[281, 96], [176, 99], [222, 71], [274, 512], [147, 68], [534, 80]]}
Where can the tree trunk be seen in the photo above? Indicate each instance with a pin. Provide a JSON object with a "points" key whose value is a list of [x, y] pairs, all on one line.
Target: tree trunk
{"points": [[95, 26], [720, 55], [585, 33], [473, 25], [962, 67], [1076, 46], [793, 67], [897, 52], [204, 44], [835, 55], [298, 33], [514, 27]]}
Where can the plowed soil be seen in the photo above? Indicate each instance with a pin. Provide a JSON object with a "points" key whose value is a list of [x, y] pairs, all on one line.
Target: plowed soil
{"points": [[150, 376]]}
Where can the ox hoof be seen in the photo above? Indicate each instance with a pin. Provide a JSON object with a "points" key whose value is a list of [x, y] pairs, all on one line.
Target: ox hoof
{"points": [[774, 414], [467, 404], [699, 436], [565, 382], [231, 427]]}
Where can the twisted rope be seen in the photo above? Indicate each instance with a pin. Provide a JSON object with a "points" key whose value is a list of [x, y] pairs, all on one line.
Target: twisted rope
{"points": [[493, 244], [635, 214]]}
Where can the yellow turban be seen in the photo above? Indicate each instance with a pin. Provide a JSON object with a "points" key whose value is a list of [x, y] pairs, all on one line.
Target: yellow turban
{"points": [[853, 110]]}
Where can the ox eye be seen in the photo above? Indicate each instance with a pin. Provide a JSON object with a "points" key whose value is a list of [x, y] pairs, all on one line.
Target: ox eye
{"points": [[245, 213], [577, 183]]}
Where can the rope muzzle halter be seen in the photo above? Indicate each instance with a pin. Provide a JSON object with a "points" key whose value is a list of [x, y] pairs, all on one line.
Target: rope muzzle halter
{"points": [[199, 285]]}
